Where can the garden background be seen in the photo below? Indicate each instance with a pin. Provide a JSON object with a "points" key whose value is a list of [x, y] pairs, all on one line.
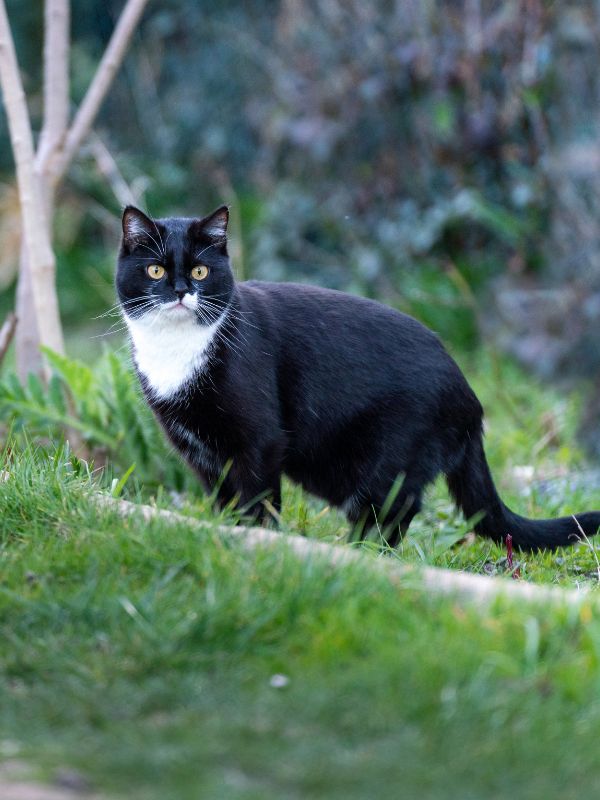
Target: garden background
{"points": [[441, 156]]}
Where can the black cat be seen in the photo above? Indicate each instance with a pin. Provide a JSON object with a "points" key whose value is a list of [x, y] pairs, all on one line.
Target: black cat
{"points": [[355, 401]]}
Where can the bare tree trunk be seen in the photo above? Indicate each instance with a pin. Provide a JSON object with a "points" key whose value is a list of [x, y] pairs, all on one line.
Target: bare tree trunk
{"points": [[56, 82], [27, 338], [57, 147], [54, 128], [35, 230]]}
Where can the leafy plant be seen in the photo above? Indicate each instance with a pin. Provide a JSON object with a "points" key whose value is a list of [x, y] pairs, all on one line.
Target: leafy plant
{"points": [[102, 405]]}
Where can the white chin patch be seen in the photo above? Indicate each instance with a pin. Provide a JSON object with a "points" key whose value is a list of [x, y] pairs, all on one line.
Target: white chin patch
{"points": [[188, 302], [170, 347]]}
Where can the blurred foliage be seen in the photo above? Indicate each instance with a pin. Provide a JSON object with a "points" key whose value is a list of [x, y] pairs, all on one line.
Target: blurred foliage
{"points": [[104, 409], [440, 155]]}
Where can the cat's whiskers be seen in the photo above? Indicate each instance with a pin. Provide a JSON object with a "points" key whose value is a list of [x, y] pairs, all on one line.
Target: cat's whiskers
{"points": [[146, 302], [220, 307], [232, 310], [230, 318], [209, 312], [147, 247], [109, 332], [206, 318], [223, 334], [199, 255], [159, 236], [119, 306], [234, 333], [111, 312], [120, 325], [228, 342], [156, 243]]}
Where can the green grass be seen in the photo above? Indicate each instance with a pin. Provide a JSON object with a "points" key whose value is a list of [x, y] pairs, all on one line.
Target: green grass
{"points": [[143, 655]]}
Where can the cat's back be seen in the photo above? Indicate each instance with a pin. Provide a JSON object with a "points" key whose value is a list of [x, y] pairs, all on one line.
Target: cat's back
{"points": [[315, 317], [337, 354]]}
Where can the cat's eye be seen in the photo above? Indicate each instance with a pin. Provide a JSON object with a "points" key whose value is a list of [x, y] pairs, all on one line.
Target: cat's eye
{"points": [[199, 272], [155, 271]]}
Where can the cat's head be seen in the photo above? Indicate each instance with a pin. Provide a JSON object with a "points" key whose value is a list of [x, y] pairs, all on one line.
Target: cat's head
{"points": [[175, 268]]}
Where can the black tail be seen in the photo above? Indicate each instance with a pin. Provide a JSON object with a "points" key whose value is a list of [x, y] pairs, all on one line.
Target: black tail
{"points": [[472, 487]]}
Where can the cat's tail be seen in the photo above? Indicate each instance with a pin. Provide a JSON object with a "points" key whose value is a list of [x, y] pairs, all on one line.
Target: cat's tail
{"points": [[473, 489]]}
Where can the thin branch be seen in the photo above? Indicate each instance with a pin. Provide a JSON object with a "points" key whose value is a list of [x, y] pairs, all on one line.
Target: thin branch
{"points": [[109, 169], [476, 588], [7, 331], [107, 69], [56, 80]]}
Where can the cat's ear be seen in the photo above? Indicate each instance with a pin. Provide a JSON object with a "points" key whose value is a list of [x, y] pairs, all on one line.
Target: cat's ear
{"points": [[214, 228], [136, 225], [215, 225]]}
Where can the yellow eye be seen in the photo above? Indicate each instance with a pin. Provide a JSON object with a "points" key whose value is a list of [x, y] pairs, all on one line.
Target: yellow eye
{"points": [[155, 271], [199, 272]]}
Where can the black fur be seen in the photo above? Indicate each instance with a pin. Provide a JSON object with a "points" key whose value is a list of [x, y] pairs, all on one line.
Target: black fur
{"points": [[355, 401]]}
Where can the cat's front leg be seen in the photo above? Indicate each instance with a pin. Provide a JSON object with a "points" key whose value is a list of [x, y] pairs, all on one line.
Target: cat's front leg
{"points": [[256, 495]]}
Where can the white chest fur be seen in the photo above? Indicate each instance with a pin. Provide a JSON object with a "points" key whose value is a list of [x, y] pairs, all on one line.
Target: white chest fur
{"points": [[170, 348]]}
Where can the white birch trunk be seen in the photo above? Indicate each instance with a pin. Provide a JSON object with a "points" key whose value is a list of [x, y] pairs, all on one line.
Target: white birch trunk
{"points": [[57, 147], [27, 337], [42, 265], [54, 128], [56, 82]]}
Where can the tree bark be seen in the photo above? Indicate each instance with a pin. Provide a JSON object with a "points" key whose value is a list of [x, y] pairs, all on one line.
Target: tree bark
{"points": [[56, 118], [27, 338], [42, 265], [56, 82]]}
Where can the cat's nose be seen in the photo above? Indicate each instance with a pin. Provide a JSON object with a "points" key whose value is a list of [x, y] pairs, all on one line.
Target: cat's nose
{"points": [[180, 287]]}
